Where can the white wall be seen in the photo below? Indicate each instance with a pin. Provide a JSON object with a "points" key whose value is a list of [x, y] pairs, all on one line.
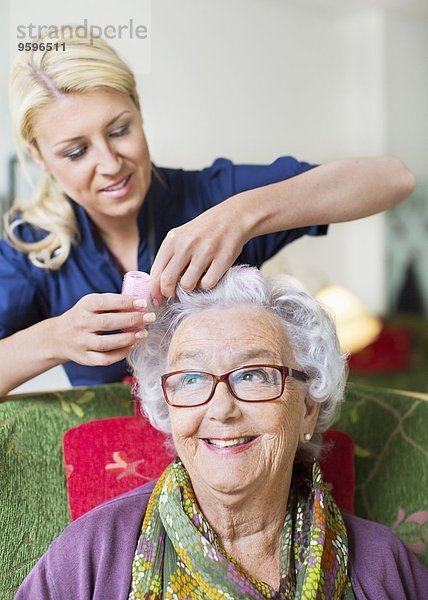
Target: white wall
{"points": [[353, 253], [407, 90], [247, 79], [254, 79], [6, 144]]}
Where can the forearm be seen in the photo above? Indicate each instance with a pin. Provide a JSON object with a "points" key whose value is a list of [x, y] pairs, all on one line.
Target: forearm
{"points": [[339, 191], [26, 354]]}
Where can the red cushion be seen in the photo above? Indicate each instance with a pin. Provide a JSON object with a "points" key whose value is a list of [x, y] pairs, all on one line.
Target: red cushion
{"points": [[337, 464], [108, 457]]}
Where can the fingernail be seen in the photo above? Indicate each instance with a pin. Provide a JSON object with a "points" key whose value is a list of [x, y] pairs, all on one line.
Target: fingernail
{"points": [[141, 334], [140, 303], [149, 318]]}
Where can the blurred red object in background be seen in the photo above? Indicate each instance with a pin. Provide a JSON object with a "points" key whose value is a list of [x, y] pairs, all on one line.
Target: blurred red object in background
{"points": [[389, 352]]}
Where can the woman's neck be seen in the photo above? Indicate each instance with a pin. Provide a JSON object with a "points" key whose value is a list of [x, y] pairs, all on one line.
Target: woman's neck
{"points": [[122, 241], [250, 528]]}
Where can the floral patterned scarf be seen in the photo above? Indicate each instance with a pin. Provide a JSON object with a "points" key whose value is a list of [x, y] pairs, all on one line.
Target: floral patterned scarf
{"points": [[179, 556]]}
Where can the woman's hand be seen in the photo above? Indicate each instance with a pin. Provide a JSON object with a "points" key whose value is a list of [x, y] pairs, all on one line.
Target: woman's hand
{"points": [[200, 251], [76, 335], [80, 333]]}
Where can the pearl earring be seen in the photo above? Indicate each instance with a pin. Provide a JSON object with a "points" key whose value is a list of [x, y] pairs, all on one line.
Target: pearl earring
{"points": [[307, 437]]}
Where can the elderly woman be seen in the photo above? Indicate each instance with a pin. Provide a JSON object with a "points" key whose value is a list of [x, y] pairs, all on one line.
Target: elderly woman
{"points": [[246, 377]]}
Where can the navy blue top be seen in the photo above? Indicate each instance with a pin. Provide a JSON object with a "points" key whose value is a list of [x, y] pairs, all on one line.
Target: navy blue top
{"points": [[30, 294]]}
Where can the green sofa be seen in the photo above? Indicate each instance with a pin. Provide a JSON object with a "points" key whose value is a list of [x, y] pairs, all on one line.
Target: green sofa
{"points": [[389, 430]]}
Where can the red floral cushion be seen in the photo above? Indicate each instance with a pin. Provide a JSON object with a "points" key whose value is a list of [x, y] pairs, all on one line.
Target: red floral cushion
{"points": [[107, 457]]}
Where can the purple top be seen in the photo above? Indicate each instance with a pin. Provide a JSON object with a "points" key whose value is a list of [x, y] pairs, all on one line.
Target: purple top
{"points": [[92, 558]]}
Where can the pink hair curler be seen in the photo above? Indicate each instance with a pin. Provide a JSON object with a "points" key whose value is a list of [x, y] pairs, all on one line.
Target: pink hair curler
{"points": [[137, 284]]}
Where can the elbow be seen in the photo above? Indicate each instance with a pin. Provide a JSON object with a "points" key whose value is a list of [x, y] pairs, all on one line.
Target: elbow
{"points": [[408, 184], [404, 181], [3, 392]]}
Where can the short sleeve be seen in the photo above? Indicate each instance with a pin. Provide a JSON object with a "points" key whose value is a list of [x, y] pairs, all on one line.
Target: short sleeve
{"points": [[224, 179], [21, 303]]}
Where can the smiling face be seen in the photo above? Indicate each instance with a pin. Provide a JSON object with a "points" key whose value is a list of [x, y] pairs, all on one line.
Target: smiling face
{"points": [[229, 446], [94, 145]]}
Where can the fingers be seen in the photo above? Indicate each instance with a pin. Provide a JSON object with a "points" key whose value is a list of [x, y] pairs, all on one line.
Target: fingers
{"points": [[111, 312], [113, 342], [104, 350], [185, 263], [199, 251], [183, 256], [171, 275], [79, 332], [214, 273], [111, 302], [193, 274], [121, 320], [163, 257], [202, 268], [97, 359]]}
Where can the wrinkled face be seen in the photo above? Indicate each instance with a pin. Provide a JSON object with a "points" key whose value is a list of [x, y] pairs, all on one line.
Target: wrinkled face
{"points": [[229, 446], [94, 144]]}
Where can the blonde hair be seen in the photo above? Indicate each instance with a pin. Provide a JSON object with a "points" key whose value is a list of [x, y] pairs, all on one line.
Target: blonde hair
{"points": [[37, 78]]}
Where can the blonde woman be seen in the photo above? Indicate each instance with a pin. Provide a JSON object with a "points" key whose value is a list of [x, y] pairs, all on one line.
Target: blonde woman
{"points": [[104, 209]]}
